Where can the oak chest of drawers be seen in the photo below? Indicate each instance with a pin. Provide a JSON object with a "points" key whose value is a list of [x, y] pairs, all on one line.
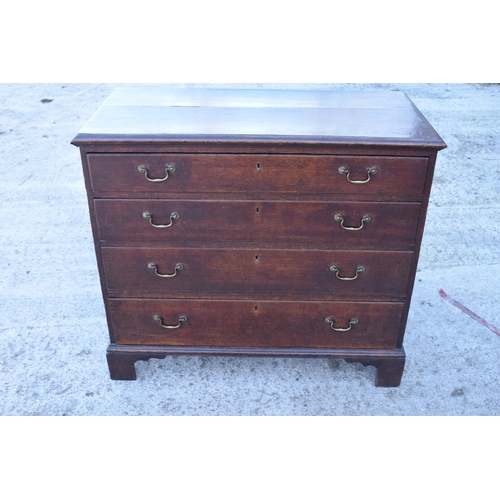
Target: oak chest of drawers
{"points": [[257, 222]]}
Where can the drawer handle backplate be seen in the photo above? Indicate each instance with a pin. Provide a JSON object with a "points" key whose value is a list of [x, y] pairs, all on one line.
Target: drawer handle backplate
{"points": [[143, 170], [177, 267], [330, 321], [181, 320], [336, 270], [371, 171], [149, 217], [340, 218]]}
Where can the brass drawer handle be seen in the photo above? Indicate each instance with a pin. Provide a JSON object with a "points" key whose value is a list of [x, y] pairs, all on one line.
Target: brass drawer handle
{"points": [[149, 217], [336, 270], [181, 320], [330, 321], [340, 218], [177, 267], [371, 171], [143, 170]]}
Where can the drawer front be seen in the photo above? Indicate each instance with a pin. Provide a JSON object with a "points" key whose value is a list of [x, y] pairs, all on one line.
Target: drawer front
{"points": [[255, 323], [119, 173], [391, 225], [285, 274]]}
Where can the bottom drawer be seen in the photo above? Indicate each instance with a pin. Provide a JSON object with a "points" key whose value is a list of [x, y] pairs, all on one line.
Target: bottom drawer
{"points": [[241, 323]]}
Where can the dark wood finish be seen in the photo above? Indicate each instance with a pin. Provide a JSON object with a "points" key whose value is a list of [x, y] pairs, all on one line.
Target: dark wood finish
{"points": [[241, 323], [329, 117], [257, 188], [285, 274], [97, 246], [416, 253], [117, 173], [393, 225], [389, 368], [153, 145], [388, 363]]}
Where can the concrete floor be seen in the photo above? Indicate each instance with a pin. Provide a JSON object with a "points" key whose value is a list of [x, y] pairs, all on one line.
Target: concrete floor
{"points": [[53, 331]]}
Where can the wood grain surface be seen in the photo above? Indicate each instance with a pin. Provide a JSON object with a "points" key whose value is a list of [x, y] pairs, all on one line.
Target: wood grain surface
{"points": [[252, 201], [256, 323], [118, 173], [121, 223], [258, 273], [322, 116]]}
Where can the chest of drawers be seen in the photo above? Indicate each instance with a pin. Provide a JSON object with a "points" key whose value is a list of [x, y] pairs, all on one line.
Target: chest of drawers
{"points": [[254, 222]]}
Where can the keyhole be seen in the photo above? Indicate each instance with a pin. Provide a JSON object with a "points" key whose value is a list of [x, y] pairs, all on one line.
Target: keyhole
{"points": [[257, 210], [256, 258], [256, 308], [258, 166]]}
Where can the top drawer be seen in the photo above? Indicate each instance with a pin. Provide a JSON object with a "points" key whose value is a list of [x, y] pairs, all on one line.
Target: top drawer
{"points": [[162, 174]]}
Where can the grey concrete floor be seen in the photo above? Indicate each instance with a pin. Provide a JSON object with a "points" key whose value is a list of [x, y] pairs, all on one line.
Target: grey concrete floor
{"points": [[53, 332]]}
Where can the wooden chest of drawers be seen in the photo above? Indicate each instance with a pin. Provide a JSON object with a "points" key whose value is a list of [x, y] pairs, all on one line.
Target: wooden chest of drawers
{"points": [[255, 222]]}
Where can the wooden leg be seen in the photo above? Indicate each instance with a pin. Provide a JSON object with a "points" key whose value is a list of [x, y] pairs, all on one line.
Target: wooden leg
{"points": [[389, 364], [121, 366], [121, 360], [389, 372], [389, 368]]}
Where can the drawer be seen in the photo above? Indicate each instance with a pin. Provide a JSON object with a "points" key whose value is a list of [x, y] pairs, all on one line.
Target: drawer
{"points": [[263, 273], [118, 173], [255, 323], [122, 223]]}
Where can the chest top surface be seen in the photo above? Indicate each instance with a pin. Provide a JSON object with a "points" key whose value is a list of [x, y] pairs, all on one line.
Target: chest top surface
{"points": [[237, 115]]}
